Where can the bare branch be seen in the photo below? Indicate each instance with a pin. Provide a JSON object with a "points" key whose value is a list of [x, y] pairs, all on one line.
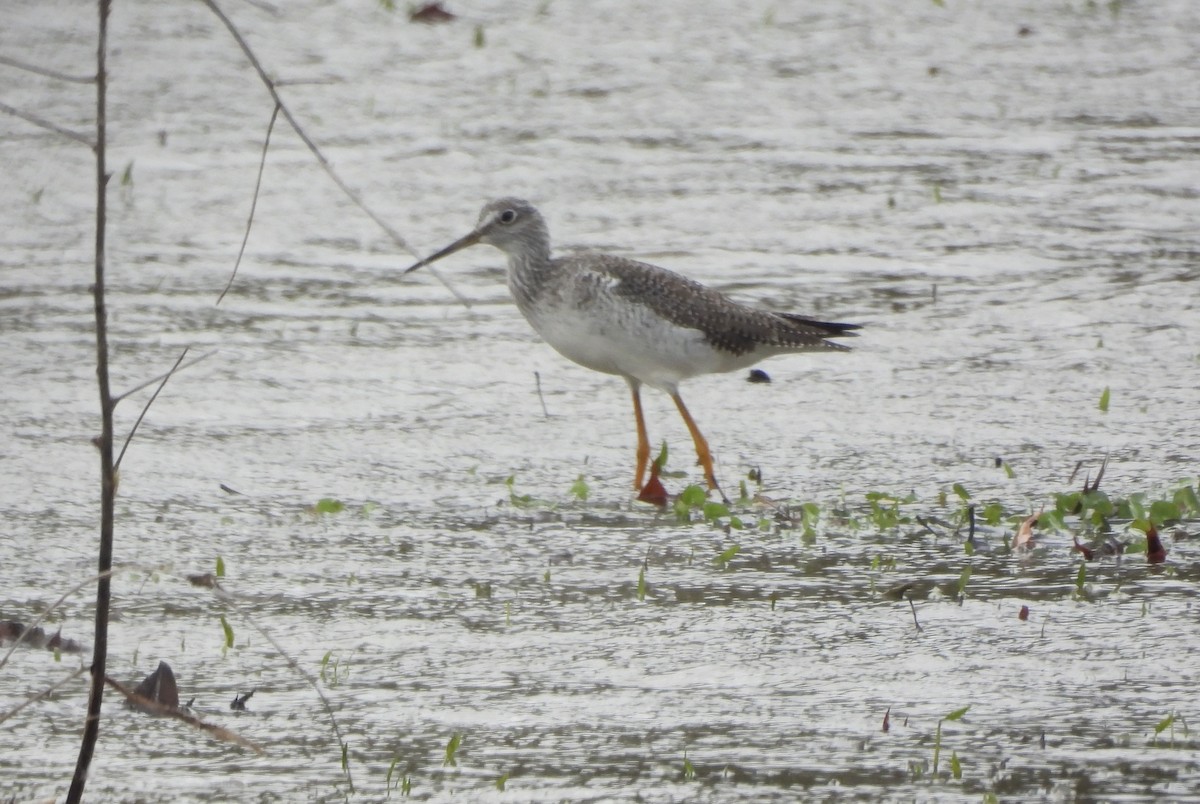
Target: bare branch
{"points": [[316, 152], [43, 694], [150, 401], [175, 370], [253, 203], [46, 124], [229, 599], [33, 68], [156, 708], [108, 475]]}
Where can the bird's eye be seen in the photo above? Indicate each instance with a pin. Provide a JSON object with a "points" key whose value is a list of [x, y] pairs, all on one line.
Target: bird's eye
{"points": [[508, 216]]}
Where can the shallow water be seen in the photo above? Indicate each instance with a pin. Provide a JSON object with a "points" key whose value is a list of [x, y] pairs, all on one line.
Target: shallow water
{"points": [[841, 161]]}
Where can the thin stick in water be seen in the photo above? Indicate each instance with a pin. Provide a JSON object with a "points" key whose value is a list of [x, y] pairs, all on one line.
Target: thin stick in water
{"points": [[537, 378], [914, 612]]}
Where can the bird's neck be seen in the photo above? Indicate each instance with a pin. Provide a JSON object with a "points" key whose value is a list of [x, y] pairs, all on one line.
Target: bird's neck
{"points": [[529, 275]]}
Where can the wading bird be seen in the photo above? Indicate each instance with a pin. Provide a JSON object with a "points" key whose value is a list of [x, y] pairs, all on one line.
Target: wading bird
{"points": [[641, 322]]}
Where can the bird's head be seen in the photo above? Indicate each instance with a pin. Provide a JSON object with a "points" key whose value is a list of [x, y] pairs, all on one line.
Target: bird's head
{"points": [[510, 224]]}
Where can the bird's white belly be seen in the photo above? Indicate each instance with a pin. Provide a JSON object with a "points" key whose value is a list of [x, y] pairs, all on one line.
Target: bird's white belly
{"points": [[648, 349]]}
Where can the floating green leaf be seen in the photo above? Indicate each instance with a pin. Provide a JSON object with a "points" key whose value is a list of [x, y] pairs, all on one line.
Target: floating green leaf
{"points": [[503, 780], [517, 500], [992, 514], [715, 510], [228, 629], [580, 488], [220, 567], [1187, 499], [1051, 520], [693, 496], [962, 493], [1164, 511], [328, 505], [727, 555], [1104, 397]]}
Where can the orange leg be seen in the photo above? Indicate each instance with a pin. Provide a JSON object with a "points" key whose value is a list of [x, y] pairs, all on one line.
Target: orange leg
{"points": [[702, 452], [643, 445]]}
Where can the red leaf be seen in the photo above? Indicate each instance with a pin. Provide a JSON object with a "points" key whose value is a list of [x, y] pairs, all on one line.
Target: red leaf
{"points": [[1024, 615], [886, 724], [1155, 552], [653, 492], [1088, 555]]}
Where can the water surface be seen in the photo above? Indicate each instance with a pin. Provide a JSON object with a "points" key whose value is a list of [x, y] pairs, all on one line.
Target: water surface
{"points": [[1003, 194]]}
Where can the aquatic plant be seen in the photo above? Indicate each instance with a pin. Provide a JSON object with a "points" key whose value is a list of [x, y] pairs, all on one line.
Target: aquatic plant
{"points": [[1169, 722], [725, 556], [334, 670], [514, 499], [227, 630], [884, 510], [403, 782], [963, 578], [452, 746], [955, 766]]}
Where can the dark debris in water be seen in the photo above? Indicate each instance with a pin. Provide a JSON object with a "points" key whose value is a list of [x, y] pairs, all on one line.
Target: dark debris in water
{"points": [[432, 14], [239, 701], [36, 637], [159, 687]]}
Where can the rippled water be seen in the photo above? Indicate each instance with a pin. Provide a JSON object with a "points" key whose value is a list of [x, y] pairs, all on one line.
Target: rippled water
{"points": [[1003, 194]]}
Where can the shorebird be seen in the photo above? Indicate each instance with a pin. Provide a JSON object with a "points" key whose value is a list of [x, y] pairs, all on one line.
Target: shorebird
{"points": [[644, 323]]}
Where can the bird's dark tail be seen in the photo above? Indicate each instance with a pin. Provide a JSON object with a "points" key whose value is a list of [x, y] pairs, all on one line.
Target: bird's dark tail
{"points": [[832, 329]]}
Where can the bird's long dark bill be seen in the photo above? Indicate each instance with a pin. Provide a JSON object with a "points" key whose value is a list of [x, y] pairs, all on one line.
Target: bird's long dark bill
{"points": [[457, 245]]}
